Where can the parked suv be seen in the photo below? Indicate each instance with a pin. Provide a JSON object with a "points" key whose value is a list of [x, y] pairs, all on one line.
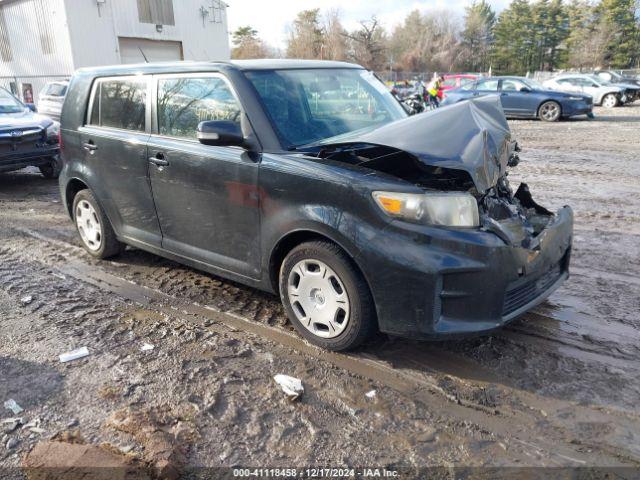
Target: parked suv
{"points": [[308, 179], [51, 98], [26, 138]]}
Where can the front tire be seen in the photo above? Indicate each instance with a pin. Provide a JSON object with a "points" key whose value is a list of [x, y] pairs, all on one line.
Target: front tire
{"points": [[93, 226], [326, 297], [52, 169], [549, 111], [610, 100]]}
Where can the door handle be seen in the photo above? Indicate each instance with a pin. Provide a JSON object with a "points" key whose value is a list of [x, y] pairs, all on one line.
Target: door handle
{"points": [[159, 160], [504, 94], [90, 146]]}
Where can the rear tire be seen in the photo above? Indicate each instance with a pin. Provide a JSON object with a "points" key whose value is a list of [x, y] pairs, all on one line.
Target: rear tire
{"points": [[93, 226], [610, 100], [326, 297], [549, 111]]}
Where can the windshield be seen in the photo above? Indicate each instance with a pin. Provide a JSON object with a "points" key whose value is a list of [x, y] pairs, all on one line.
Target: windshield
{"points": [[9, 103], [310, 105]]}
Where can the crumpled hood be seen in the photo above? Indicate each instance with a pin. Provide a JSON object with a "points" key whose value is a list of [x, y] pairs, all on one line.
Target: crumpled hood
{"points": [[472, 135]]}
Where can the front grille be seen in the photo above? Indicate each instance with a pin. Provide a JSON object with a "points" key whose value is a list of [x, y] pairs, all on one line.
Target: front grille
{"points": [[18, 136], [519, 296]]}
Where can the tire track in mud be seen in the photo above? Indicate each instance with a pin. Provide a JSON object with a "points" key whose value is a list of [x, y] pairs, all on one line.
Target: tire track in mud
{"points": [[578, 335], [527, 419]]}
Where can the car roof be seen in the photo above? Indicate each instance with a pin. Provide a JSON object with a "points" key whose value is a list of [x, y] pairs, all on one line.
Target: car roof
{"points": [[191, 66]]}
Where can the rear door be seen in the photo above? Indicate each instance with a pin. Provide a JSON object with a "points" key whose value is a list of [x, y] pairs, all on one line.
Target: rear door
{"points": [[488, 86], [115, 144], [206, 196]]}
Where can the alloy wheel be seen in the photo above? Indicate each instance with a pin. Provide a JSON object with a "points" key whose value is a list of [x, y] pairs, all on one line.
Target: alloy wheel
{"points": [[550, 111], [318, 298]]}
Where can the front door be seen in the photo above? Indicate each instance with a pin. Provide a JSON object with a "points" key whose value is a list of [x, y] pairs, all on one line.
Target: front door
{"points": [[206, 197], [115, 150], [515, 101]]}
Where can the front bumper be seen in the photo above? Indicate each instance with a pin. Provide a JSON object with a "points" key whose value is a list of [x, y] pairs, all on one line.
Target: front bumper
{"points": [[32, 158], [577, 108], [436, 283]]}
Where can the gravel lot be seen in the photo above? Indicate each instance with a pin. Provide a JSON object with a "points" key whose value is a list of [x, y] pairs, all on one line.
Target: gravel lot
{"points": [[557, 388]]}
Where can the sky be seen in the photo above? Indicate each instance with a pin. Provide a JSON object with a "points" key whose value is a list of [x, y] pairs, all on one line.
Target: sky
{"points": [[272, 18]]}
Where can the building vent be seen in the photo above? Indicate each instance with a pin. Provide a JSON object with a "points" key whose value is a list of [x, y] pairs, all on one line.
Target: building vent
{"points": [[5, 44], [157, 12], [45, 29]]}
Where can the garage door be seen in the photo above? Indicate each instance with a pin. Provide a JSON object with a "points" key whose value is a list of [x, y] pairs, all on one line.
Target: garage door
{"points": [[154, 50]]}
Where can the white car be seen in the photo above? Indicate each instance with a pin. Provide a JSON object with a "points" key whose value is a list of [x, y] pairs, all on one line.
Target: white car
{"points": [[51, 98], [604, 94]]}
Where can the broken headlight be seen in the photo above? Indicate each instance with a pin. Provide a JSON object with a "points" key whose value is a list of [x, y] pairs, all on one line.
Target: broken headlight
{"points": [[53, 130], [450, 209]]}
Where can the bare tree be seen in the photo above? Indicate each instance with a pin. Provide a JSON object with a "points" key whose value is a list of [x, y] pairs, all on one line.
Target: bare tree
{"points": [[368, 44], [335, 42], [427, 42]]}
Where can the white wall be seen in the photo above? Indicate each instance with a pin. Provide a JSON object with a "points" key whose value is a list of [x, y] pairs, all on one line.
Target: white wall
{"points": [[22, 26], [91, 29], [95, 30]]}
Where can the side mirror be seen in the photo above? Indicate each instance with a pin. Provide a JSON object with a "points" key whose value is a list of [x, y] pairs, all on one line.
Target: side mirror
{"points": [[222, 133], [525, 89], [32, 107]]}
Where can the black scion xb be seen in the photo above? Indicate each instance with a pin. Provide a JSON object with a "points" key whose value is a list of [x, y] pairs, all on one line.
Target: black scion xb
{"points": [[309, 180]]}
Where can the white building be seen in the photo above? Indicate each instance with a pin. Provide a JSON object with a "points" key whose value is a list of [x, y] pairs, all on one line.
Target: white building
{"points": [[44, 40]]}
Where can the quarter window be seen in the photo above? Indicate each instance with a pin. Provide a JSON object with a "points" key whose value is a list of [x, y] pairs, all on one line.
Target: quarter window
{"points": [[120, 104], [185, 102]]}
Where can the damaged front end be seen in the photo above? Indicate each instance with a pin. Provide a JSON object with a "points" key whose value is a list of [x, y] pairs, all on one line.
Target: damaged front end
{"points": [[470, 276], [464, 148]]}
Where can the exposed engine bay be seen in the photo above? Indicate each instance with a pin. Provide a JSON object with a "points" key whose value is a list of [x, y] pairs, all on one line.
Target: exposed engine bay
{"points": [[515, 218]]}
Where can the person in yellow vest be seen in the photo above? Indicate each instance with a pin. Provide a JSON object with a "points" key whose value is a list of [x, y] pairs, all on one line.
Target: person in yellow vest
{"points": [[433, 89]]}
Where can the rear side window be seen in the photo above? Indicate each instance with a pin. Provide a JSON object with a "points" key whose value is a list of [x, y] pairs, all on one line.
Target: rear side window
{"points": [[120, 104], [491, 85], [183, 102], [56, 90]]}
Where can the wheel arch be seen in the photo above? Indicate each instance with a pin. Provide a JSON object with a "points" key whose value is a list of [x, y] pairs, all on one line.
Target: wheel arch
{"points": [[73, 186], [554, 100], [294, 238]]}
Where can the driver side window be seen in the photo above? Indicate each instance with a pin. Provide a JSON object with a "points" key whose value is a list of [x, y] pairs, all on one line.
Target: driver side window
{"points": [[184, 102], [512, 85]]}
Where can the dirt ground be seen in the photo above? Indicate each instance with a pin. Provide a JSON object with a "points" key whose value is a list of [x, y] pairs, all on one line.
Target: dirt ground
{"points": [[557, 388]]}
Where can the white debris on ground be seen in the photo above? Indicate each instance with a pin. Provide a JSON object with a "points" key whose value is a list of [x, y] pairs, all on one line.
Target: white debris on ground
{"points": [[12, 405], [290, 385], [26, 300], [74, 354]]}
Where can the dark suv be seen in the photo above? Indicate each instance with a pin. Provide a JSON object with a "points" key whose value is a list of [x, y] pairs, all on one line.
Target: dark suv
{"points": [[308, 179], [26, 138]]}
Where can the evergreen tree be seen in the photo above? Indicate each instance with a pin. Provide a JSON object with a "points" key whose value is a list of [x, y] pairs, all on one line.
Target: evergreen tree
{"points": [[620, 16], [477, 36]]}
